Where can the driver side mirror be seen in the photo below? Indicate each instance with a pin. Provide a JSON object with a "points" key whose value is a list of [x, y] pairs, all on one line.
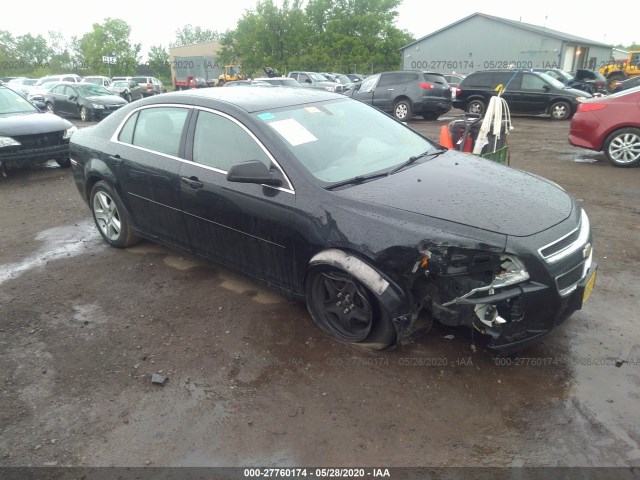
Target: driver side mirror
{"points": [[546, 88], [253, 171]]}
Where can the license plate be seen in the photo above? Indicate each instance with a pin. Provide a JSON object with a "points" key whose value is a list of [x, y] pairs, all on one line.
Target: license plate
{"points": [[589, 287]]}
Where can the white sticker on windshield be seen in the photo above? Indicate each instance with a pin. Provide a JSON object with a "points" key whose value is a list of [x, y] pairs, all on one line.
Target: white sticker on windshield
{"points": [[293, 132], [313, 109]]}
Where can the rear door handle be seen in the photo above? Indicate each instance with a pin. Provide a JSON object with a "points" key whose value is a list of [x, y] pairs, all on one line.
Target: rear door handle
{"points": [[193, 182]]}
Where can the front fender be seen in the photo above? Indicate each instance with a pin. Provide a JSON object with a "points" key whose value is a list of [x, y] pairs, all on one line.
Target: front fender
{"points": [[395, 300]]}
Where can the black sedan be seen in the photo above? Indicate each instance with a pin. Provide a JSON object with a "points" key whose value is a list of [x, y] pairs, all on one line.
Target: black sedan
{"points": [[127, 89], [28, 135], [84, 100], [380, 230]]}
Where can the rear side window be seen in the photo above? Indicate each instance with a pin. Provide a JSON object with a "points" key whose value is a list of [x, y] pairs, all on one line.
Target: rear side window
{"points": [[157, 129], [432, 78], [398, 78]]}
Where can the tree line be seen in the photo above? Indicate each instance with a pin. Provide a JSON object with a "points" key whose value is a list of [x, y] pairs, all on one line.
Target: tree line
{"points": [[317, 35]]}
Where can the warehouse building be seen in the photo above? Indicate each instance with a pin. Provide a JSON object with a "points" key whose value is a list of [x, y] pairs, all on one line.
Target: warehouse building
{"points": [[480, 42]]}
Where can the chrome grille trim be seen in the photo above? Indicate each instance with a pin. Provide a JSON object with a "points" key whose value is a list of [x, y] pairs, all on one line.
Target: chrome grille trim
{"points": [[552, 255]]}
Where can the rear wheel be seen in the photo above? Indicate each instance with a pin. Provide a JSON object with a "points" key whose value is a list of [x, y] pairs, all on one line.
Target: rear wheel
{"points": [[402, 110], [622, 148], [560, 110], [110, 216], [63, 162], [343, 307], [477, 107]]}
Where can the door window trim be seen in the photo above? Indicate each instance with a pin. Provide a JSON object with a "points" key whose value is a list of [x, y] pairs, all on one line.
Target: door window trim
{"points": [[114, 138]]}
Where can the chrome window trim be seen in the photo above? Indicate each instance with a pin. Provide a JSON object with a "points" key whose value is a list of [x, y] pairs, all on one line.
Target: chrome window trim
{"points": [[114, 138], [582, 239]]}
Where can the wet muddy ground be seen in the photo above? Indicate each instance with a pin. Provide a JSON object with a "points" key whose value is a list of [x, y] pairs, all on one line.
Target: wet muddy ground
{"points": [[252, 382]]}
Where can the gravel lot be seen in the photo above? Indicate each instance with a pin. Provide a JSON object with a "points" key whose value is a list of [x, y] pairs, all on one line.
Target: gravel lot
{"points": [[252, 382]]}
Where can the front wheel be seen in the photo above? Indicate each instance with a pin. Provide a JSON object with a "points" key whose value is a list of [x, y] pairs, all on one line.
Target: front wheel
{"points": [[560, 111], [402, 110], [49, 108], [622, 148], [110, 216], [85, 115], [127, 97], [344, 308], [476, 107]]}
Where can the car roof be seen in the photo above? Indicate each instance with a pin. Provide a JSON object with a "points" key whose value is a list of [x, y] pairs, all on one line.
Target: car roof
{"points": [[251, 99]]}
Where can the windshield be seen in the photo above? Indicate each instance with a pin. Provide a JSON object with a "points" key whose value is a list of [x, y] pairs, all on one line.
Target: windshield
{"points": [[91, 90], [11, 102], [343, 79], [316, 77], [342, 139], [120, 84]]}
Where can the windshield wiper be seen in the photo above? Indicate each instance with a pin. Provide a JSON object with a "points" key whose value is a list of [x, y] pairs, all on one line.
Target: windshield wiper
{"points": [[357, 180], [414, 158]]}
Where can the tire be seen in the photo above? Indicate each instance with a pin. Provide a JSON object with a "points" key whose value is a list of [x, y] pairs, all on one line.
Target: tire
{"points": [[612, 81], [49, 108], [402, 111], [431, 116], [85, 114], [63, 162], [127, 97], [343, 307], [477, 107], [110, 216], [560, 110], [622, 148]]}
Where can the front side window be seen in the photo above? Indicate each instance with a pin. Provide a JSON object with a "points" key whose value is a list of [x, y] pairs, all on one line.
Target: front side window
{"points": [[533, 83], [220, 143], [158, 129]]}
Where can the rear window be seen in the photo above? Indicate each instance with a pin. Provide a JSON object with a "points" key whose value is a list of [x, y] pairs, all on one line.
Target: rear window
{"points": [[140, 79]]}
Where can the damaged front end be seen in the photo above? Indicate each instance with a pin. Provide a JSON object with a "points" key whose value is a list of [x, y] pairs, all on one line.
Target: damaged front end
{"points": [[490, 292]]}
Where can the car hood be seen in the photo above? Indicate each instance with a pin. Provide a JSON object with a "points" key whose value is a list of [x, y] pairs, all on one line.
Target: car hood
{"points": [[32, 124], [472, 191], [108, 100]]}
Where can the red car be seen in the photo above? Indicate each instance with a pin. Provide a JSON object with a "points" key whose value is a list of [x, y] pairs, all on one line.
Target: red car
{"points": [[610, 125]]}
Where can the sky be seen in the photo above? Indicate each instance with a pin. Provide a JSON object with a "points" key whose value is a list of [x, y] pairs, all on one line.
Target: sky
{"points": [[617, 25]]}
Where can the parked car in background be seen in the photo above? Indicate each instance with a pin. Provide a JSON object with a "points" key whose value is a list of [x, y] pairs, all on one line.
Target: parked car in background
{"points": [[97, 80], [22, 85], [28, 135], [316, 194], [36, 93], [150, 85], [453, 79], [38, 88], [84, 100], [610, 125], [279, 81], [567, 79], [127, 89], [315, 80], [120, 78], [405, 93], [626, 84], [526, 92], [593, 78]]}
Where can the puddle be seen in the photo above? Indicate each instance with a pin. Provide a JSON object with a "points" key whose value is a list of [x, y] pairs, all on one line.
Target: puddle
{"points": [[263, 297], [585, 160], [58, 242]]}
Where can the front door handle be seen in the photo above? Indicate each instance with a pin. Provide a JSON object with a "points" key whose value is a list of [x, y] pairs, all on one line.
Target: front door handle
{"points": [[117, 161], [193, 182]]}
